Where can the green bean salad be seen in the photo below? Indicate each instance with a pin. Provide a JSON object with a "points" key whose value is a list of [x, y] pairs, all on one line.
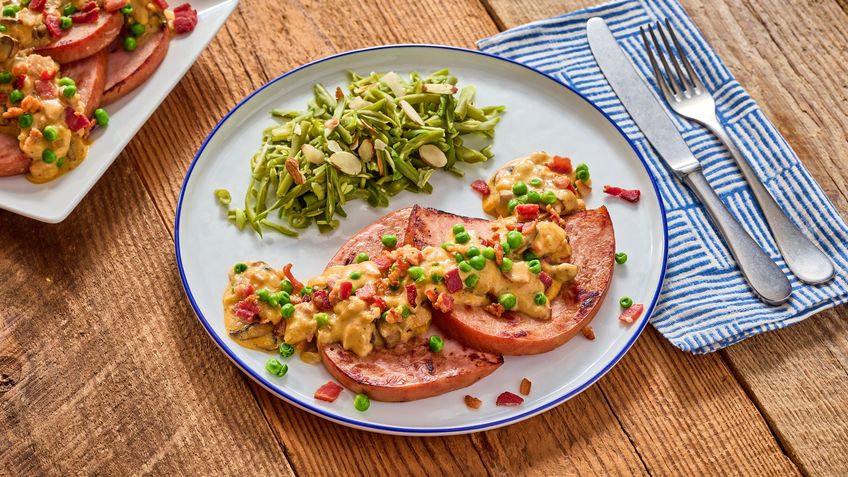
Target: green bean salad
{"points": [[386, 135]]}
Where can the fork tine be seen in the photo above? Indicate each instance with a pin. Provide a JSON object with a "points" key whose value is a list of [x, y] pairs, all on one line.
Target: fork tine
{"points": [[673, 58], [657, 73], [693, 77], [672, 84]]}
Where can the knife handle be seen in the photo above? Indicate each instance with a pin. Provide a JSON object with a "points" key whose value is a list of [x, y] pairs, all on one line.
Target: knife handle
{"points": [[761, 273]]}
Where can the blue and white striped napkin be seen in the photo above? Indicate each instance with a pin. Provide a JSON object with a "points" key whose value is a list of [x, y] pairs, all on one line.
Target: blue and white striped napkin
{"points": [[705, 304]]}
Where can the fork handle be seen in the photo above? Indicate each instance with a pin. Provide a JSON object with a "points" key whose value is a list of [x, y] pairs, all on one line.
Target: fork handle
{"points": [[803, 258], [761, 273]]}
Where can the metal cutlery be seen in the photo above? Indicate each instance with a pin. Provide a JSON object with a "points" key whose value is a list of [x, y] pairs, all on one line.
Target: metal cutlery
{"points": [[687, 96], [765, 278]]}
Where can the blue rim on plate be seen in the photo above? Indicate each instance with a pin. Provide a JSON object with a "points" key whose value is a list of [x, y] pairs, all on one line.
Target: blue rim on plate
{"points": [[359, 424]]}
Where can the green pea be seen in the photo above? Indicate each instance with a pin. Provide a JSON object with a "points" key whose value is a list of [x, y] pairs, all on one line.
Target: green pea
{"points": [[69, 91], [240, 268], [522, 199], [506, 265], [362, 257], [534, 197], [389, 241], [16, 95], [478, 262], [10, 10], [446, 246], [287, 286], [519, 188], [127, 10], [472, 252], [69, 10], [625, 302], [65, 81], [361, 402], [355, 275], [535, 266], [281, 297], [286, 350], [65, 23], [535, 182], [514, 239], [540, 299], [582, 175], [264, 296], [48, 156], [405, 311], [60, 163], [416, 274], [436, 343], [581, 167], [436, 278], [508, 300], [51, 133], [323, 319], [2, 28], [130, 43], [472, 280], [287, 310], [620, 258], [458, 257], [275, 367], [548, 197], [529, 255], [462, 237], [137, 29], [25, 120], [102, 117], [305, 291], [458, 228], [464, 266], [511, 205], [505, 247], [489, 253], [5, 77]]}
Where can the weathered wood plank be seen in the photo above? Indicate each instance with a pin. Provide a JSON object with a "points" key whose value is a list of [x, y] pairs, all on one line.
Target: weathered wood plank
{"points": [[792, 64], [104, 368]]}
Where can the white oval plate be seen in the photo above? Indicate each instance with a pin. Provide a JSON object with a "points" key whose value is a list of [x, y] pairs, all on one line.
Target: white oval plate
{"points": [[542, 114], [54, 201]]}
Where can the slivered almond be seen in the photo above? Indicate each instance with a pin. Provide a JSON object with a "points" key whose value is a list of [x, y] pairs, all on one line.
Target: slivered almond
{"points": [[432, 155], [297, 129], [331, 123], [366, 150], [380, 145], [346, 162], [472, 402], [334, 146], [588, 332], [410, 112], [312, 154], [294, 171], [394, 82], [438, 88], [339, 93], [359, 103], [525, 386]]}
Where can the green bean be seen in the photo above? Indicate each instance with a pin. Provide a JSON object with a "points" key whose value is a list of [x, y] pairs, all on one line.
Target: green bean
{"points": [[323, 97]]}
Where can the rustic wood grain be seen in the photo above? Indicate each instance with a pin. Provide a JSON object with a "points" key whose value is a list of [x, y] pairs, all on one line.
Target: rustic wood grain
{"points": [[104, 368], [790, 57]]}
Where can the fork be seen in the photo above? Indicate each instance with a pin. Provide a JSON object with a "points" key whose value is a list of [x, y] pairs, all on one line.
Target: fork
{"points": [[688, 97]]}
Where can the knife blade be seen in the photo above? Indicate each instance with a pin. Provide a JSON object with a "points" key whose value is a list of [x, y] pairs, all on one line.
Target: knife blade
{"points": [[764, 277]]}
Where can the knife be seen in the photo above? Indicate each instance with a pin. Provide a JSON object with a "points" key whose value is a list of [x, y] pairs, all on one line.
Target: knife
{"points": [[764, 277]]}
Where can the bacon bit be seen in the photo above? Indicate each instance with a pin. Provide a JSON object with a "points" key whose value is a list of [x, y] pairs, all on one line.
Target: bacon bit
{"points": [[345, 289], [495, 309], [321, 299], [328, 392], [19, 69], [45, 89], [431, 295], [588, 332], [509, 399], [398, 271], [161, 4], [75, 120], [247, 310], [51, 21], [30, 104], [366, 293], [185, 19], [13, 113], [37, 5], [632, 314], [525, 387], [630, 195], [444, 303], [47, 75], [555, 217], [245, 290], [295, 299], [499, 254], [380, 303], [519, 227], [86, 16], [297, 286], [114, 5], [19, 82], [560, 164], [472, 402], [482, 187], [280, 329], [510, 227], [89, 6], [383, 262], [411, 294], [546, 279], [527, 211], [393, 316], [452, 280]]}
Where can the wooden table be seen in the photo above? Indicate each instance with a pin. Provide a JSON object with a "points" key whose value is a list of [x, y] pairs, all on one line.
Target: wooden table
{"points": [[104, 368]]}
